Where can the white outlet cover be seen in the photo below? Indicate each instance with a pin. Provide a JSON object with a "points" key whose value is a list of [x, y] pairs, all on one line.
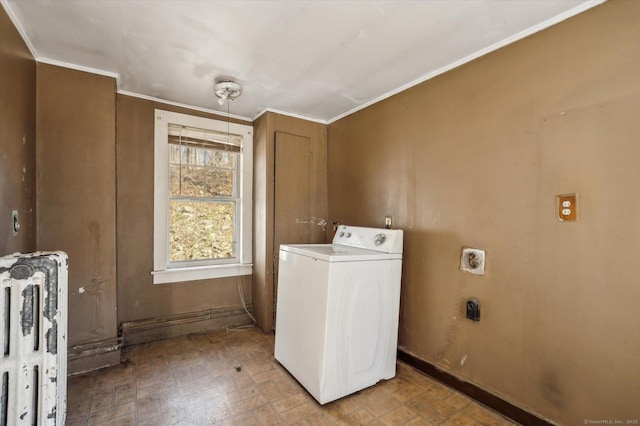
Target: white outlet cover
{"points": [[467, 254]]}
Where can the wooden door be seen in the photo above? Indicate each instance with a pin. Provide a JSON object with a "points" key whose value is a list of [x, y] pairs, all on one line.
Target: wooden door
{"points": [[294, 197]]}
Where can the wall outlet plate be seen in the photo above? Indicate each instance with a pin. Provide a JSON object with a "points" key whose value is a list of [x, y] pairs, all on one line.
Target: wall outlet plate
{"points": [[472, 261], [567, 207]]}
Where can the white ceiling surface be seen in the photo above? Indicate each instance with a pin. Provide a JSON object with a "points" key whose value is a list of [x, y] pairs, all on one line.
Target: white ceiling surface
{"points": [[317, 59]]}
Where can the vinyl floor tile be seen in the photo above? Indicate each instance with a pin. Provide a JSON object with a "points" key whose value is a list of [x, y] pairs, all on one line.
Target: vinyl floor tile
{"points": [[222, 378]]}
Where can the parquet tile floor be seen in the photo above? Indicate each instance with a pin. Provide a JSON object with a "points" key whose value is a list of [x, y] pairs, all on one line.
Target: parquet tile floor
{"points": [[231, 378]]}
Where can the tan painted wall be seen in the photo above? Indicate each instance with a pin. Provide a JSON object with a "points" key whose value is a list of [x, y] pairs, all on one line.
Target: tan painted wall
{"points": [[138, 297], [265, 128], [76, 193], [263, 221], [475, 158], [17, 139]]}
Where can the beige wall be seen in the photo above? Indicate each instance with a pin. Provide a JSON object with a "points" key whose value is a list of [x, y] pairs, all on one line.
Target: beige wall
{"points": [[471, 158], [17, 140], [265, 129], [475, 157], [76, 196], [138, 297]]}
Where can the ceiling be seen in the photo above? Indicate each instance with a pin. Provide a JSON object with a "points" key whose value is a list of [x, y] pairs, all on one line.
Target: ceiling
{"points": [[320, 60]]}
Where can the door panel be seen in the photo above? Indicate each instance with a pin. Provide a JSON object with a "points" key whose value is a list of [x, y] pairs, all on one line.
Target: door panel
{"points": [[295, 199]]}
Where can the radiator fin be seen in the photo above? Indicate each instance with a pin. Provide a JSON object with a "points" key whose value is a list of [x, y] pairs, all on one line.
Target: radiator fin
{"points": [[34, 306], [6, 320], [5, 399]]}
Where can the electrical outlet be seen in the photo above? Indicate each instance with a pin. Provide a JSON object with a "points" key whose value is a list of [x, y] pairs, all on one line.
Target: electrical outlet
{"points": [[472, 261], [567, 207]]}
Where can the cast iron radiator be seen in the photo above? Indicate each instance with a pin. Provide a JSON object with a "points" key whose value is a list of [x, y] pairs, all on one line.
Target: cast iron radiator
{"points": [[33, 341]]}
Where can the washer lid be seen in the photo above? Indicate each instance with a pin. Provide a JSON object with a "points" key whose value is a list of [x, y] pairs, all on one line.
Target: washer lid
{"points": [[337, 253]]}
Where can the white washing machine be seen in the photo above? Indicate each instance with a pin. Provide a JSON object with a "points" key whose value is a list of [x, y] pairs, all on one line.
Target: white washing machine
{"points": [[337, 311]]}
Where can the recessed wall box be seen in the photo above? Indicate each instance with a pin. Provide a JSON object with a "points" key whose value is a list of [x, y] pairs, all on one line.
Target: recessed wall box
{"points": [[472, 261], [567, 207], [473, 309]]}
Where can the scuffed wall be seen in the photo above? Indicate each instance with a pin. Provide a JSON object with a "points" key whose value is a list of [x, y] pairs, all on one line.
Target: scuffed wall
{"points": [[475, 157], [138, 297], [265, 129], [76, 197], [17, 140]]}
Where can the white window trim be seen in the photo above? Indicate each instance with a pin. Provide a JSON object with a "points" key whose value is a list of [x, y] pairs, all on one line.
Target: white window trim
{"points": [[161, 273]]}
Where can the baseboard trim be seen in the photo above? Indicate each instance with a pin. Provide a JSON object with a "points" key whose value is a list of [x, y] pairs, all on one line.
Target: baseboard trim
{"points": [[148, 330], [93, 362], [484, 397]]}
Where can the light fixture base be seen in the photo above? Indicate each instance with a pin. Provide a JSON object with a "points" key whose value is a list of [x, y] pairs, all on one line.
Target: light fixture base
{"points": [[227, 91]]}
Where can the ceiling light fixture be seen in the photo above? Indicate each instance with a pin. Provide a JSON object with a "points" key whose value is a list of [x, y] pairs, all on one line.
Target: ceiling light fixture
{"points": [[227, 91]]}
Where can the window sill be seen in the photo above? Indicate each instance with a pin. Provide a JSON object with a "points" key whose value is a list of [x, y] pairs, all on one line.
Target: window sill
{"points": [[177, 275]]}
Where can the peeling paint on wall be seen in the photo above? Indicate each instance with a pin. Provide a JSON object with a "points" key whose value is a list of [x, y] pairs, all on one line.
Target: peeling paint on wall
{"points": [[463, 360], [312, 220]]}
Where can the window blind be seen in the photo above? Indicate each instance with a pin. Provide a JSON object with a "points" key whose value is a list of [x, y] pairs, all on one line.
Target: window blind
{"points": [[201, 138]]}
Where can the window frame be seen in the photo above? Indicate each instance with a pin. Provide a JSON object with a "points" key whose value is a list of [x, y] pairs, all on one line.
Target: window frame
{"points": [[163, 272], [234, 199]]}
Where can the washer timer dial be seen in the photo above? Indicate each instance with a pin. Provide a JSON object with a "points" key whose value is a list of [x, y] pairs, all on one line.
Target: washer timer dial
{"points": [[379, 239]]}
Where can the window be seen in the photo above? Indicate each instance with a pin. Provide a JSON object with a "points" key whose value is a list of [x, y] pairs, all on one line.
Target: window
{"points": [[202, 198]]}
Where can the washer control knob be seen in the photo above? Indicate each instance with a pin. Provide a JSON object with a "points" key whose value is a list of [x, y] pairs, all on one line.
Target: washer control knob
{"points": [[379, 239], [348, 234], [341, 234]]}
